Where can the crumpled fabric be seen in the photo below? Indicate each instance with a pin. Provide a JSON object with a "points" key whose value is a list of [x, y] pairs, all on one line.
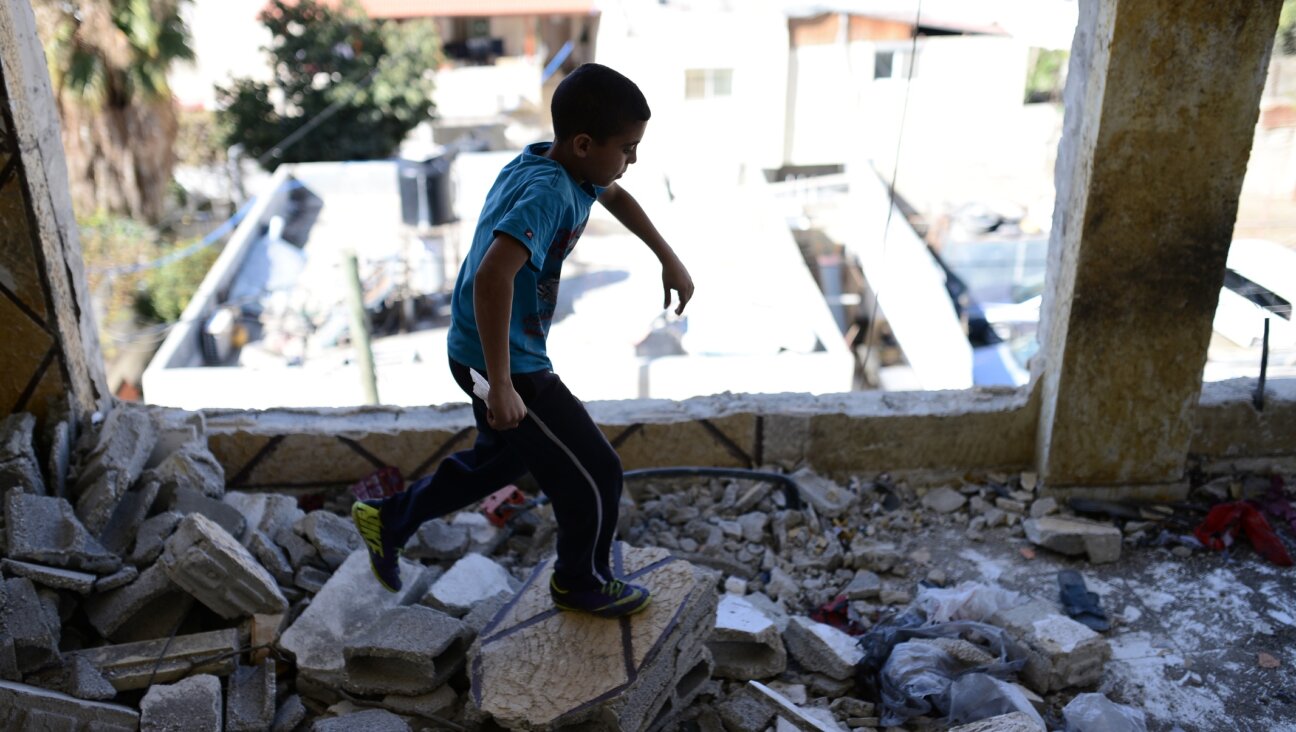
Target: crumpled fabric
{"points": [[1225, 521]]}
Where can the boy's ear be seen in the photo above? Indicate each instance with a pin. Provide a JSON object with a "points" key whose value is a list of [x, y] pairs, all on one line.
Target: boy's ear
{"points": [[581, 144]]}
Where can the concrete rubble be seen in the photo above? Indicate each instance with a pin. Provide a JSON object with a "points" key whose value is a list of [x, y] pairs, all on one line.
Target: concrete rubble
{"points": [[150, 597]]}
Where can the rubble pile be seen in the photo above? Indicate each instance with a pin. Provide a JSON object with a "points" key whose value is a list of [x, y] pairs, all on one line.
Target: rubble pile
{"points": [[138, 593]]}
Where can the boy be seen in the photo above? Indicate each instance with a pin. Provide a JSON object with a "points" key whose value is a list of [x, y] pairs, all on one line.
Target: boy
{"points": [[503, 302]]}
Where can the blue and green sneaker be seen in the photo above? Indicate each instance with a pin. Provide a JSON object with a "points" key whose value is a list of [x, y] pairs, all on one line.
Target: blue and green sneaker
{"points": [[614, 599], [384, 556]]}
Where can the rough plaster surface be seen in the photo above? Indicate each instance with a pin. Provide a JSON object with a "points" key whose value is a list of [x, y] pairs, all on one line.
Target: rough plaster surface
{"points": [[24, 707], [1148, 178]]}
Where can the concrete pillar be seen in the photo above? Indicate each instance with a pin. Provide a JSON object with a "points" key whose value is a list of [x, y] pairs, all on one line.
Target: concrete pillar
{"points": [[50, 358], [1162, 100]]}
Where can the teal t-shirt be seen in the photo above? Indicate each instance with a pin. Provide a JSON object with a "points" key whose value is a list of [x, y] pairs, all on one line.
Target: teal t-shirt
{"points": [[537, 202]]}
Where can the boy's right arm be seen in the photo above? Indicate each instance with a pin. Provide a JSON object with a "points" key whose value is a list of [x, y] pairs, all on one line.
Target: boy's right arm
{"points": [[493, 308]]}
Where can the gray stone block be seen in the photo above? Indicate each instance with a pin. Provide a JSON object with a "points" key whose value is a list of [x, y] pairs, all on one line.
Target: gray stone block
{"points": [[265, 512], [439, 541], [8, 658], [311, 579], [745, 643], [865, 585], [151, 537], [189, 705], [290, 713], [19, 465], [122, 577], [212, 566], [59, 460], [120, 531], [123, 446], [250, 703], [334, 537], [59, 579], [190, 500], [24, 707], [484, 611], [35, 637], [1060, 652], [406, 650], [828, 498], [744, 713], [944, 500], [370, 720], [75, 677], [191, 467], [822, 648], [433, 704], [300, 551], [341, 611], [131, 665], [45, 531], [270, 555], [1075, 537], [110, 611], [471, 580]]}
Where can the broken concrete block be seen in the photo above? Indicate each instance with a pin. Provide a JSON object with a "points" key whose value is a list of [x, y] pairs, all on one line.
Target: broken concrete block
{"points": [[822, 648], [745, 643], [828, 498], [300, 551], [191, 467], [743, 712], [35, 637], [1075, 537], [790, 716], [19, 465], [124, 443], [311, 579], [122, 577], [59, 579], [659, 659], [432, 704], [59, 459], [1061, 652], [865, 585], [1015, 722], [290, 713], [439, 541], [24, 707], [264, 512], [370, 720], [131, 665], [212, 566], [190, 500], [471, 580], [481, 532], [334, 537], [485, 611], [944, 500], [122, 527], [189, 705], [270, 555], [1044, 507], [110, 611], [339, 612], [406, 650], [45, 531], [151, 537], [872, 555], [75, 677], [250, 701]]}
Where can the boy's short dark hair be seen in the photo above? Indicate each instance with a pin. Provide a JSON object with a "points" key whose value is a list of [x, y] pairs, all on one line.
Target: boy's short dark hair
{"points": [[597, 101]]}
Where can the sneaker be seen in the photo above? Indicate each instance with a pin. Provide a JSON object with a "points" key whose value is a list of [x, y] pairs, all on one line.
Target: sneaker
{"points": [[614, 599], [383, 555]]}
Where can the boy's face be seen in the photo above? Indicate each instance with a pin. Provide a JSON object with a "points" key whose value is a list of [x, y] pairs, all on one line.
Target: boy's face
{"points": [[608, 160]]}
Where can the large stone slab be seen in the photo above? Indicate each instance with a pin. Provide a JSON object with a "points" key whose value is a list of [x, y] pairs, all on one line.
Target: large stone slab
{"points": [[24, 707], [132, 665], [406, 650], [212, 566], [622, 674], [822, 648], [44, 530], [746, 643], [19, 465], [343, 609], [125, 442], [1075, 537], [189, 705]]}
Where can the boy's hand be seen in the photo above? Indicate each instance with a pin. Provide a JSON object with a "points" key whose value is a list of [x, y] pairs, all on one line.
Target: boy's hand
{"points": [[504, 407], [676, 277]]}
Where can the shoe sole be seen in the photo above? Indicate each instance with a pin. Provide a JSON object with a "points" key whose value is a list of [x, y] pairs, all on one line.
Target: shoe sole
{"points": [[595, 613]]}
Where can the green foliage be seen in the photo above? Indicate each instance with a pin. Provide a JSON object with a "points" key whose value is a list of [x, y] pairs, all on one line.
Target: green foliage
{"points": [[168, 288], [376, 74], [1286, 43], [125, 57], [1045, 79]]}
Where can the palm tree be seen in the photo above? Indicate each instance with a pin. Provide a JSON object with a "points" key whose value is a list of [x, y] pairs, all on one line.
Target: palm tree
{"points": [[108, 62]]}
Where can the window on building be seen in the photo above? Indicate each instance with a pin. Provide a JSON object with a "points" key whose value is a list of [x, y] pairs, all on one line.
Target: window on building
{"points": [[894, 63], [708, 83]]}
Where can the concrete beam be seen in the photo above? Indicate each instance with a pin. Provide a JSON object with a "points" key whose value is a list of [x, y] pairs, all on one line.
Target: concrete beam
{"points": [[1162, 100], [134, 665]]}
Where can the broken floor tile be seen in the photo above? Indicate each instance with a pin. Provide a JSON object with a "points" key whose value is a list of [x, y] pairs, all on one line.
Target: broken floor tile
{"points": [[55, 577]]}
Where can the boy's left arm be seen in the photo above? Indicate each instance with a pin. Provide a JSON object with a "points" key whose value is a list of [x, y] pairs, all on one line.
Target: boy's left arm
{"points": [[628, 211]]}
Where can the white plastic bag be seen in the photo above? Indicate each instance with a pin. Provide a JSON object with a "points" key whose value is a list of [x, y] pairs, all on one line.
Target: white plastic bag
{"points": [[1097, 713], [967, 601]]}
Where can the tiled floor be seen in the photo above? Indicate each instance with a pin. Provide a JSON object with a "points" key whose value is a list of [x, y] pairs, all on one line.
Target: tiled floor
{"points": [[1189, 630]]}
